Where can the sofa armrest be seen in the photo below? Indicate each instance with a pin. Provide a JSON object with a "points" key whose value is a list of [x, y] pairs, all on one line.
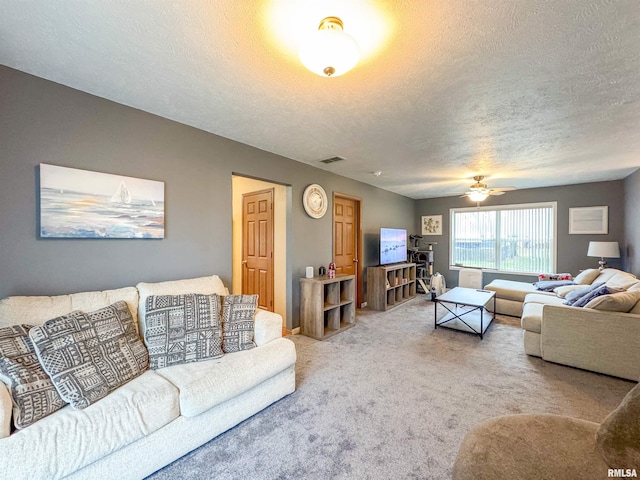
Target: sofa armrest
{"points": [[268, 327], [6, 408], [605, 342]]}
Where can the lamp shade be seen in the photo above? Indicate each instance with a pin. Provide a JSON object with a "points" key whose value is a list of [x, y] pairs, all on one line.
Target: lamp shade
{"points": [[329, 51], [604, 250]]}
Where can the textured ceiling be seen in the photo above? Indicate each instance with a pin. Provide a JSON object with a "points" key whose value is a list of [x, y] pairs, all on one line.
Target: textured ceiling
{"points": [[528, 93]]}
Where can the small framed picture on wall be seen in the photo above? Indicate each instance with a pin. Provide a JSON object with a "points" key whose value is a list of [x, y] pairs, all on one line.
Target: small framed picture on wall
{"points": [[432, 225]]}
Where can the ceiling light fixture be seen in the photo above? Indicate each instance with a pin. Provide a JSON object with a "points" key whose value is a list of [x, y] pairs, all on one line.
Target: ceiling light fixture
{"points": [[330, 51], [478, 195]]}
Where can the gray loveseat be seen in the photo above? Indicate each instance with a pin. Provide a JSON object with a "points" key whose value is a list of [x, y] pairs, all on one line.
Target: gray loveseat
{"points": [[158, 416], [604, 339]]}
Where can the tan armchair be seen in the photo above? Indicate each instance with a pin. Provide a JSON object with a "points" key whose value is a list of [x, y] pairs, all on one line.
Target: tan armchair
{"points": [[553, 447]]}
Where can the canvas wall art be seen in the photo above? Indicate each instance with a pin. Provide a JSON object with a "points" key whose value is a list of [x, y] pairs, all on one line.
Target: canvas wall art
{"points": [[589, 220], [84, 204], [432, 225]]}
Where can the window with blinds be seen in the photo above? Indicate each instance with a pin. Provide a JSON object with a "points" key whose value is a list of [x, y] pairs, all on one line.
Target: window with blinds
{"points": [[507, 238]]}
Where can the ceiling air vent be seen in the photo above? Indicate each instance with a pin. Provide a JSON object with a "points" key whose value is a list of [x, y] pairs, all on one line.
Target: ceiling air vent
{"points": [[333, 159]]}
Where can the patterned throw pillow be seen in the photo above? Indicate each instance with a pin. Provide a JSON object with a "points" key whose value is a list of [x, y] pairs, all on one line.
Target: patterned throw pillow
{"points": [[542, 277], [182, 328], [238, 313], [88, 355], [34, 396]]}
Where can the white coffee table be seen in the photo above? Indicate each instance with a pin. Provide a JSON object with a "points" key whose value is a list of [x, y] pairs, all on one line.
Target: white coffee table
{"points": [[465, 310]]}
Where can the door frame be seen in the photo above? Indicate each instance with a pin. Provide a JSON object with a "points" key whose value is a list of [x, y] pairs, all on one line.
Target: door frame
{"points": [[358, 244]]}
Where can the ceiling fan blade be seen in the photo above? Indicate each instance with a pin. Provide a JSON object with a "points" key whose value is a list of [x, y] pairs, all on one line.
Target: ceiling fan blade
{"points": [[504, 189], [493, 192]]}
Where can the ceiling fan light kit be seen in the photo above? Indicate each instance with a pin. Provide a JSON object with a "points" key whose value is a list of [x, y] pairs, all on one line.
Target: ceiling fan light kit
{"points": [[479, 192], [330, 51]]}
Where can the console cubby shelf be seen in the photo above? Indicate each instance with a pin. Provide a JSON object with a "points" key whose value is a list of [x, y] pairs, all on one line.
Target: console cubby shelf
{"points": [[390, 285], [327, 305]]}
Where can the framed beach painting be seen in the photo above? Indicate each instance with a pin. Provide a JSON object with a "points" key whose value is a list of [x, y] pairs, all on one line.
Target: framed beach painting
{"points": [[84, 204]]}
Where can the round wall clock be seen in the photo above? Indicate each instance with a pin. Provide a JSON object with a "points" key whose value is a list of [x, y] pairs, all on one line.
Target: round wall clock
{"points": [[314, 200]]}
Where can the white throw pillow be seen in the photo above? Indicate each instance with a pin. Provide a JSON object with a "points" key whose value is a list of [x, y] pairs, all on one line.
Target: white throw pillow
{"points": [[562, 291], [586, 277]]}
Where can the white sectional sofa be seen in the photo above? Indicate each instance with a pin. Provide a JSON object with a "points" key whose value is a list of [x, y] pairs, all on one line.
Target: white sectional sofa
{"points": [[155, 418], [597, 339]]}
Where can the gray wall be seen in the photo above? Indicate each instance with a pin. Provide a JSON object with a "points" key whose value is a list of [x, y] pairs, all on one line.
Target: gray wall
{"points": [[44, 122], [572, 249], [632, 222]]}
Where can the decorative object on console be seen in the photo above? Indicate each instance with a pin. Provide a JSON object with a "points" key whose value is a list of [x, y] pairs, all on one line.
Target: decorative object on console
{"points": [[88, 355], [314, 201], [34, 396], [237, 322], [331, 271], [182, 329], [309, 272], [603, 250], [322, 271], [589, 220], [83, 204]]}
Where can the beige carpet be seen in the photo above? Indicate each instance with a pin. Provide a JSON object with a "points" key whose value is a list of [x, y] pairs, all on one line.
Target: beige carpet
{"points": [[393, 398]]}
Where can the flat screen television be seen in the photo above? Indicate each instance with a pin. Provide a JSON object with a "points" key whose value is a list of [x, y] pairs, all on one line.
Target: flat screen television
{"points": [[393, 245]]}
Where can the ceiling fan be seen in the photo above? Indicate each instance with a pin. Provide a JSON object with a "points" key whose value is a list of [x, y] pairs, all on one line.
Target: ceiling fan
{"points": [[479, 191]]}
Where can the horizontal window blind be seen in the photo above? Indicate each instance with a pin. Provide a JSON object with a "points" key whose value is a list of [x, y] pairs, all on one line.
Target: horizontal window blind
{"points": [[508, 238]]}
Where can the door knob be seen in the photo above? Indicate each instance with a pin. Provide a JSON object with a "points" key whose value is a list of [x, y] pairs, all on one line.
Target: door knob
{"points": [[244, 262]]}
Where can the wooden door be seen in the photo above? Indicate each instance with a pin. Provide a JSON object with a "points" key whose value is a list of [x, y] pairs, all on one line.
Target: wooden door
{"points": [[257, 246], [346, 238]]}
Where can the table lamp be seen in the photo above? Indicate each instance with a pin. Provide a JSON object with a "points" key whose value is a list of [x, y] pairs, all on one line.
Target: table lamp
{"points": [[603, 250]]}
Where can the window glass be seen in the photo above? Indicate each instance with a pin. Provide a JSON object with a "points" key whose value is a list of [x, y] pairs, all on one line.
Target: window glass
{"points": [[508, 238]]}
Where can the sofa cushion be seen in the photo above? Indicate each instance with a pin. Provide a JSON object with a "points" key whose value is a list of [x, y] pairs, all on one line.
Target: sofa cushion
{"points": [[586, 277], [616, 302], [238, 312], [512, 290], [68, 440], [88, 355], [544, 299], [532, 317], [33, 394], [201, 285], [203, 385], [36, 310], [617, 437], [182, 328], [622, 280], [614, 274]]}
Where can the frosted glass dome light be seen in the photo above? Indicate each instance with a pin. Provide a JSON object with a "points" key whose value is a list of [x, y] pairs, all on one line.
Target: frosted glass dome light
{"points": [[330, 51]]}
